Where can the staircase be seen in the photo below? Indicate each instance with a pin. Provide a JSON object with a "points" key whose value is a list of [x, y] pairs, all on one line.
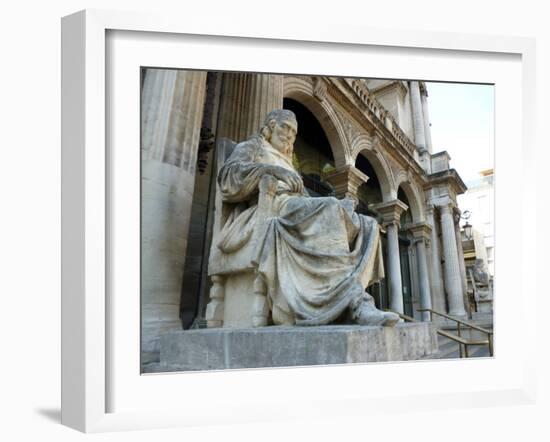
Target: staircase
{"points": [[448, 349], [457, 338]]}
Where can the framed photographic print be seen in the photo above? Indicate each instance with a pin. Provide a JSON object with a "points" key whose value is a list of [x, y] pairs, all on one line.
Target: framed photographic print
{"points": [[247, 215]]}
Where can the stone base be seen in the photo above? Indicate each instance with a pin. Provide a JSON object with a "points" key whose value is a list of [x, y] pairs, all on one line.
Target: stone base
{"points": [[281, 346]]}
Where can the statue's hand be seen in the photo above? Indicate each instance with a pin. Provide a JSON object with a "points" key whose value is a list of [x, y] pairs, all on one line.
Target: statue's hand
{"points": [[292, 179]]}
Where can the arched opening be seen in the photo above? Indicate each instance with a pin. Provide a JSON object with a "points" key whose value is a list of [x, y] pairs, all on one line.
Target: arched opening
{"points": [[409, 194], [366, 158], [313, 156], [300, 89], [371, 193]]}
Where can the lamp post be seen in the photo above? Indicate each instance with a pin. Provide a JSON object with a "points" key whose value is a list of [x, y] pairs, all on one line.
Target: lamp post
{"points": [[467, 226]]}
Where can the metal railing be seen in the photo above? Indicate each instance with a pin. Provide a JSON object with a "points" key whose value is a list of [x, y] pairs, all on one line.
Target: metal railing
{"points": [[463, 343]]}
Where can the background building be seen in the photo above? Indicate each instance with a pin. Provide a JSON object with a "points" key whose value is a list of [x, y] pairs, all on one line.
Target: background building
{"points": [[478, 200], [369, 139]]}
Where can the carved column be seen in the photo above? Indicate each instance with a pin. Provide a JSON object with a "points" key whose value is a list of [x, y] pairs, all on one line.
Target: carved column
{"points": [[421, 234], [461, 262], [453, 282], [418, 117], [346, 180], [172, 106], [419, 128], [427, 125], [438, 294], [247, 98], [391, 214]]}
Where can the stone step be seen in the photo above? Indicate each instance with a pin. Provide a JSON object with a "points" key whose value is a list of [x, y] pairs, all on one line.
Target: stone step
{"points": [[449, 349]]}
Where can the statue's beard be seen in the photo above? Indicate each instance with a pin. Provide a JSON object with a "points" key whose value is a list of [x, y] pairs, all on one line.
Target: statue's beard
{"points": [[283, 147]]}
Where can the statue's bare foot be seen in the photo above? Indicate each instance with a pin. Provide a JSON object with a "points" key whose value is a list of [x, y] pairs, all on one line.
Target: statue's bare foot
{"points": [[365, 313]]}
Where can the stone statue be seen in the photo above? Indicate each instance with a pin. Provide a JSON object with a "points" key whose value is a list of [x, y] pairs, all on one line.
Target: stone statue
{"points": [[481, 277], [311, 258]]}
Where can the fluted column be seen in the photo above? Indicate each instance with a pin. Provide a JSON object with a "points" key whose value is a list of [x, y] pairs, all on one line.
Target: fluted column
{"points": [[461, 262], [247, 99], [438, 294], [394, 269], [453, 283], [427, 125], [421, 233], [346, 180], [391, 214], [172, 108], [419, 127], [418, 117]]}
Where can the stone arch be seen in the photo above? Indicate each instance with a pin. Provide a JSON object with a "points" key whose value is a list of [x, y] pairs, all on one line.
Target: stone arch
{"points": [[364, 144], [301, 90], [414, 196]]}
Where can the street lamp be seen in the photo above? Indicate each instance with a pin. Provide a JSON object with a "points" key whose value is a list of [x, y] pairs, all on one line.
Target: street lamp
{"points": [[467, 226]]}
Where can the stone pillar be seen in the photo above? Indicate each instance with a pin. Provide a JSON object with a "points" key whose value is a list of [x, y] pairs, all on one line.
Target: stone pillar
{"points": [[394, 269], [419, 128], [461, 262], [427, 124], [421, 233], [246, 100], [346, 180], [172, 107], [418, 117], [453, 283], [438, 294], [391, 213]]}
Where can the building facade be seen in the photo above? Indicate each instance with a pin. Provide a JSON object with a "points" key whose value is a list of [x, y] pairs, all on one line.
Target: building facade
{"points": [[479, 201], [369, 139]]}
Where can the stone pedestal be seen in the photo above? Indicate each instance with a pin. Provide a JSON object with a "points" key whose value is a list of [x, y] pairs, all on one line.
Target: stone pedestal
{"points": [[280, 346]]}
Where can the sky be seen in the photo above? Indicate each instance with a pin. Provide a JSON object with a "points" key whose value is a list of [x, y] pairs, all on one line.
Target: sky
{"points": [[462, 123]]}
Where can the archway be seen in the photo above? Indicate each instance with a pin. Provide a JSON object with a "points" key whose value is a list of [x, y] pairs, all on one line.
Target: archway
{"points": [[313, 156], [300, 89], [409, 191], [370, 192], [376, 166]]}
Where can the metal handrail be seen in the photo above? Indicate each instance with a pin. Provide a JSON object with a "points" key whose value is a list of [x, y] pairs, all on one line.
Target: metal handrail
{"points": [[461, 341], [458, 339], [403, 316], [468, 324]]}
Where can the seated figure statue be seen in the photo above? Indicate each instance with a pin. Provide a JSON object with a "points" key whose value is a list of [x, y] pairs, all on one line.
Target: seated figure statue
{"points": [[306, 260]]}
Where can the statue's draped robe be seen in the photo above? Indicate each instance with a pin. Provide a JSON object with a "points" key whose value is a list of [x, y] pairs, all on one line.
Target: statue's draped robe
{"points": [[316, 255]]}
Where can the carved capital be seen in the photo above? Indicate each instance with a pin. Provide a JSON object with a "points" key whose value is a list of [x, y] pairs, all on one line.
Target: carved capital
{"points": [[390, 211], [420, 231], [346, 180], [444, 204]]}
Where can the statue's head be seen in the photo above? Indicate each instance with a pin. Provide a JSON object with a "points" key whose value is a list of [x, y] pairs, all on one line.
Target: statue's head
{"points": [[280, 128]]}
